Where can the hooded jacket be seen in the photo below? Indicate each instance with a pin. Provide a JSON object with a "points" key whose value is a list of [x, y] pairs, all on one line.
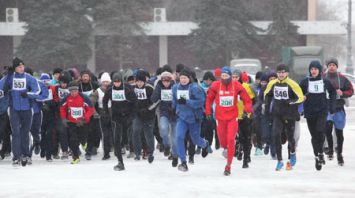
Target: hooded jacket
{"points": [[316, 91]]}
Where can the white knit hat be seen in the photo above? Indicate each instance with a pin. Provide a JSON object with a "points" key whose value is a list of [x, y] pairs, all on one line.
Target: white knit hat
{"points": [[105, 77]]}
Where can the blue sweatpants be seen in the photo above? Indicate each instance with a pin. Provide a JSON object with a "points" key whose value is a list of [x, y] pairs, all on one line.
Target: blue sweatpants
{"points": [[20, 124], [195, 133]]}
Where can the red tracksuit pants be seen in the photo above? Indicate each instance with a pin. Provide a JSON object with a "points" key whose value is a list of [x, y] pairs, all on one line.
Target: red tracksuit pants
{"points": [[227, 131]]}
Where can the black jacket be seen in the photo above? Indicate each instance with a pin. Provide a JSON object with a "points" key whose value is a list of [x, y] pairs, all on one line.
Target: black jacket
{"points": [[120, 108], [142, 106]]}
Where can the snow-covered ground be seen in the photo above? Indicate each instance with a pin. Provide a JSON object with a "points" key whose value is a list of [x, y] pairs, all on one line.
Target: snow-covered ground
{"points": [[96, 178]]}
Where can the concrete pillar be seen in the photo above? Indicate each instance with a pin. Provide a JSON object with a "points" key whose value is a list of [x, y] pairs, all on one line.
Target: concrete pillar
{"points": [[16, 43], [91, 63], [163, 50], [312, 16]]}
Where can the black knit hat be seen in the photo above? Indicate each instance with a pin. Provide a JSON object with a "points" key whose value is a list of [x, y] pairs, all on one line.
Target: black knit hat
{"points": [[141, 76], [282, 67], [57, 70], [332, 60], [185, 72], [208, 76], [117, 77], [16, 62]]}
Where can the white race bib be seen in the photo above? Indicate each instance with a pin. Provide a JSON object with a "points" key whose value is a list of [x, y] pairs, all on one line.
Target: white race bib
{"points": [[226, 101], [166, 95], [76, 112], [118, 95], [316, 86], [281, 93], [141, 94], [62, 93], [19, 84], [183, 94], [87, 93], [50, 95]]}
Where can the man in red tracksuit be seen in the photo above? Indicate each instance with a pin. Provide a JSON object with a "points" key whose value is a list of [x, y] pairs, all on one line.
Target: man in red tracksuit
{"points": [[225, 93], [75, 111]]}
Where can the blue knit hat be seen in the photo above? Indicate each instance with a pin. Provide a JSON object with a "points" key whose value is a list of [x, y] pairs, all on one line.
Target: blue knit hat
{"points": [[226, 70], [44, 77]]}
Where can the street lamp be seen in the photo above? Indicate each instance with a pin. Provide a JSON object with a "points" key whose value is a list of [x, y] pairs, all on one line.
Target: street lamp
{"points": [[349, 64]]}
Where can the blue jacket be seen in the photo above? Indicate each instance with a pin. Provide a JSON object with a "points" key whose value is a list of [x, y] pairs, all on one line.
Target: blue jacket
{"points": [[192, 111], [4, 98], [19, 83], [42, 97]]}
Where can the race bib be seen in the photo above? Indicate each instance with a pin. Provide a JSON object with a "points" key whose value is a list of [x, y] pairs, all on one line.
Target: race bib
{"points": [[87, 93], [141, 94], [316, 86], [19, 84], [76, 112], [1, 93], [50, 95], [118, 95], [226, 101], [281, 93], [166, 95], [62, 93], [183, 94]]}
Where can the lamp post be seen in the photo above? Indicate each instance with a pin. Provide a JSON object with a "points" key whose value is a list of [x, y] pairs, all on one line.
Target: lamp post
{"points": [[349, 64]]}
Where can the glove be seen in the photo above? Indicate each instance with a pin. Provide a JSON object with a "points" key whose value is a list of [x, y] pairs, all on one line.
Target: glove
{"points": [[182, 101], [80, 123], [65, 122], [209, 117], [24, 95]]}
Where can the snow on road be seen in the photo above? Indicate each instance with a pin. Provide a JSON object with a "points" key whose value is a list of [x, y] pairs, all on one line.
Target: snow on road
{"points": [[205, 178]]}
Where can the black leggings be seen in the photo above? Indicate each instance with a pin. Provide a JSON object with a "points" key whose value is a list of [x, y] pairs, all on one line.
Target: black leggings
{"points": [[340, 138]]}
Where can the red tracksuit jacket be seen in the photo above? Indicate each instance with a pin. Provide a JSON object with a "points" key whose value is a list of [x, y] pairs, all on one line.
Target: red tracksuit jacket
{"points": [[76, 108]]}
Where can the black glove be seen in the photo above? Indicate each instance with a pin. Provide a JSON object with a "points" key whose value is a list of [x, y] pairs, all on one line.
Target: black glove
{"points": [[80, 123], [209, 118], [65, 122], [182, 100], [24, 95]]}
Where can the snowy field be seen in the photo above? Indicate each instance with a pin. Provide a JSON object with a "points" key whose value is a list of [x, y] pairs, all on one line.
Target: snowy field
{"points": [[96, 178]]}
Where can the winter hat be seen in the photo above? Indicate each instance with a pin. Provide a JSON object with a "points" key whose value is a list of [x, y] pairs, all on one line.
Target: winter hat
{"points": [[258, 74], [271, 74], [116, 77], [185, 72], [179, 67], [237, 72], [208, 76], [159, 71], [282, 67], [332, 60], [45, 77], [226, 70], [141, 76], [105, 77], [29, 71], [167, 68], [73, 86], [16, 62], [64, 78], [264, 77], [217, 72], [315, 64], [245, 77], [166, 76], [57, 70]]}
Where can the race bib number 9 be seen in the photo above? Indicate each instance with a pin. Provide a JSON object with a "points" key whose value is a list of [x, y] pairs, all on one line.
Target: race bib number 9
{"points": [[19, 84], [183, 94], [226, 101], [141, 94], [316, 86], [118, 95], [281, 93], [76, 112], [166, 95]]}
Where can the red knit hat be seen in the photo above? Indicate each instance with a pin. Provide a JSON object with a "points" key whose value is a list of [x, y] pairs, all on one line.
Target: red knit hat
{"points": [[245, 77], [217, 72]]}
